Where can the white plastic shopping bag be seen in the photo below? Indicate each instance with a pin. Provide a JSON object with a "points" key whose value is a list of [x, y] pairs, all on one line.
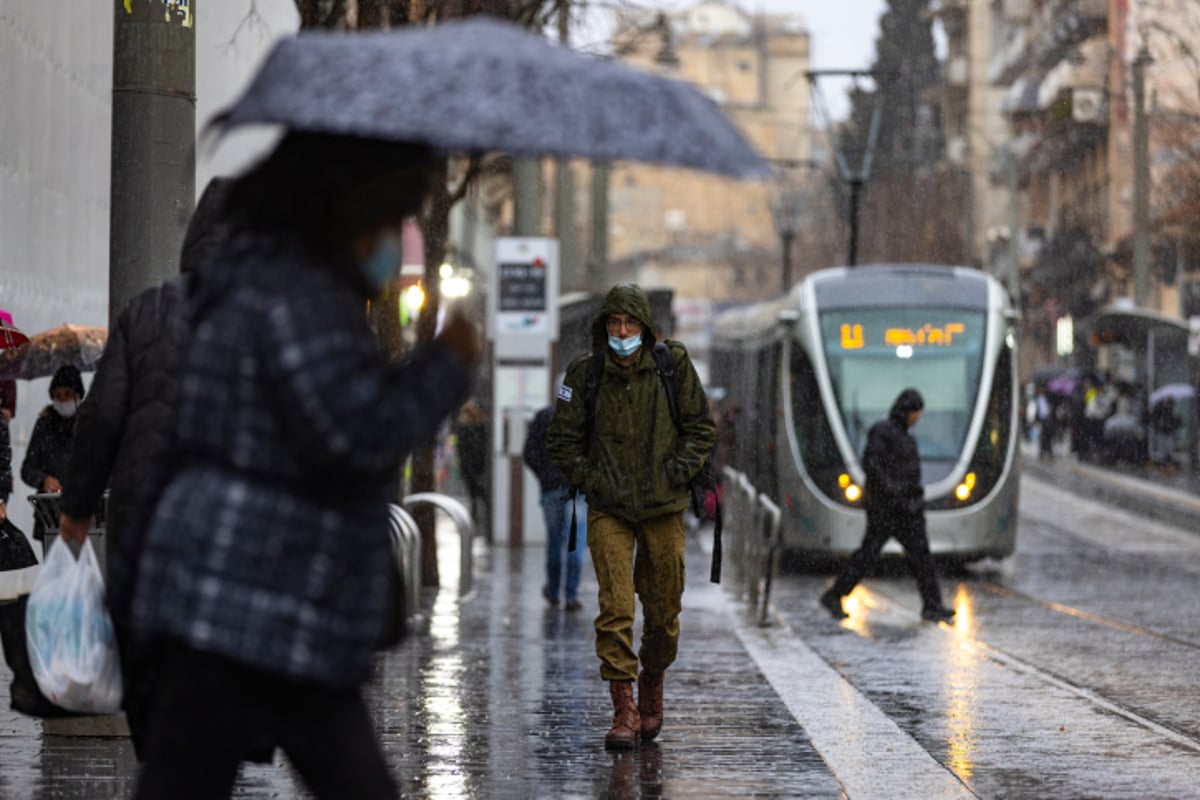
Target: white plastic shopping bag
{"points": [[72, 647]]}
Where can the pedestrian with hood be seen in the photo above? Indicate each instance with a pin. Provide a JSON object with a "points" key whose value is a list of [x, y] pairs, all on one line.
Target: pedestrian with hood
{"points": [[122, 442], [894, 499], [614, 436], [267, 577], [559, 506], [45, 464]]}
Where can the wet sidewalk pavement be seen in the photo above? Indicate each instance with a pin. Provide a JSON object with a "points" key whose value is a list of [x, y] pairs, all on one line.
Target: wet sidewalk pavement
{"points": [[499, 696], [1171, 498]]}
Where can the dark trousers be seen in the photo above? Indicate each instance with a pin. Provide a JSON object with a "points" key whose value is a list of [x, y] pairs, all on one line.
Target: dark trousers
{"points": [[208, 712], [909, 530]]}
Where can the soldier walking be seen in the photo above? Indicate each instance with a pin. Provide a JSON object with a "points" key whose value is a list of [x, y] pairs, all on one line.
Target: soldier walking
{"points": [[613, 436]]}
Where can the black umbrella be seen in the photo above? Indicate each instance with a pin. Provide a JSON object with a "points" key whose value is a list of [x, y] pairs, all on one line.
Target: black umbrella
{"points": [[483, 84]]}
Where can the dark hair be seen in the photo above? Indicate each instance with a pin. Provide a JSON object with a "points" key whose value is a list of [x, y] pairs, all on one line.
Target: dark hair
{"points": [[908, 401], [68, 376], [330, 188]]}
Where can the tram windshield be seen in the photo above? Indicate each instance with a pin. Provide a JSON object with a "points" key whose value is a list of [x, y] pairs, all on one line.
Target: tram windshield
{"points": [[875, 353]]}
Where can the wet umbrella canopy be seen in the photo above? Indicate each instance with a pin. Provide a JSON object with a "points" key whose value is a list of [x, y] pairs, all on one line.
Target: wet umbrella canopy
{"points": [[44, 353], [484, 84]]}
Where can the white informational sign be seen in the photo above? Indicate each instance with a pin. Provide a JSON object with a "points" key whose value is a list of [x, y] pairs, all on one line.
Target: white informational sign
{"points": [[522, 323], [524, 292]]}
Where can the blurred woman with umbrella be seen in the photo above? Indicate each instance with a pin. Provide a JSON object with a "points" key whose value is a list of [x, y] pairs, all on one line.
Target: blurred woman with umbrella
{"points": [[266, 569], [266, 575]]}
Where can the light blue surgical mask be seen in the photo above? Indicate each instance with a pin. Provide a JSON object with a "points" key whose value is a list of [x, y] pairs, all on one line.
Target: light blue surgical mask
{"points": [[383, 263], [624, 348]]}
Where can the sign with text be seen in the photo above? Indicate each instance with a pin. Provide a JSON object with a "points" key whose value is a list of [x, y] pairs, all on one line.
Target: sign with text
{"points": [[524, 297]]}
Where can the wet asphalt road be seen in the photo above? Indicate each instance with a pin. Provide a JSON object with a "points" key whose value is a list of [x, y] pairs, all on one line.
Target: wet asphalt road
{"points": [[1069, 672]]}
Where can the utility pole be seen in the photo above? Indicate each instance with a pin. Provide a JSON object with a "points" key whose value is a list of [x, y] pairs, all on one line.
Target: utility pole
{"points": [[856, 184], [564, 188], [527, 196], [153, 144], [1141, 181], [854, 179], [1014, 226], [598, 262]]}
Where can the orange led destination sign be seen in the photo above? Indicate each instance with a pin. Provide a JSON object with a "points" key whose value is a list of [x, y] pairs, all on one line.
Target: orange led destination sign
{"points": [[926, 336]]}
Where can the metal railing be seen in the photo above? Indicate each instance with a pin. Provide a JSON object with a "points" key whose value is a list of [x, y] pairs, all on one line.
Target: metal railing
{"points": [[752, 524], [461, 517]]}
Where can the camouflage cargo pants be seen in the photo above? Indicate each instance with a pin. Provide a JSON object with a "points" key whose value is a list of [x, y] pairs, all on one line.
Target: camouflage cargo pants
{"points": [[645, 558]]}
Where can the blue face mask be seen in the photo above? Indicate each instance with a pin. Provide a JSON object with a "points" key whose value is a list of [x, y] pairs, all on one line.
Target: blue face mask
{"points": [[383, 264], [624, 348]]}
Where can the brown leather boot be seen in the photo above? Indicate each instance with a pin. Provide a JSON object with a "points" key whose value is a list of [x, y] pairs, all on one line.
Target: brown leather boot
{"points": [[650, 703], [626, 725]]}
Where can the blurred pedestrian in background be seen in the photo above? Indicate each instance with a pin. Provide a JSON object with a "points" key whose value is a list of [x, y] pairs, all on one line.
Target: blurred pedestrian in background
{"points": [[558, 503], [267, 573], [471, 431], [614, 436], [895, 502], [45, 464], [1047, 424], [8, 388], [122, 442], [1164, 425]]}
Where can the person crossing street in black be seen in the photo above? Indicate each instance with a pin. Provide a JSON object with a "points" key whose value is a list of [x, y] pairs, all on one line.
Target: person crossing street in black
{"points": [[895, 504]]}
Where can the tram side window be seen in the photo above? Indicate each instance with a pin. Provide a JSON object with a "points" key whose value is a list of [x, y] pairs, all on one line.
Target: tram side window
{"points": [[991, 451], [768, 389], [813, 434]]}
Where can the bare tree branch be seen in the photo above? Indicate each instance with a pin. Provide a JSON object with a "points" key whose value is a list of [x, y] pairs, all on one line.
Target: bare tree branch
{"points": [[251, 22], [473, 171]]}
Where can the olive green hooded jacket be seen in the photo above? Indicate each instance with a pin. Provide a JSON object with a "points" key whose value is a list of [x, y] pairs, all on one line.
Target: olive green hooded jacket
{"points": [[635, 464]]}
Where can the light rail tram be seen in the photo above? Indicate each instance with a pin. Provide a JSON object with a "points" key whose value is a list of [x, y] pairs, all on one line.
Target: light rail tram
{"points": [[812, 371]]}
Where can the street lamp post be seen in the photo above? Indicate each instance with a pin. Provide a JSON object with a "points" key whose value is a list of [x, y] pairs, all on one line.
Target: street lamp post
{"points": [[786, 202], [1141, 180]]}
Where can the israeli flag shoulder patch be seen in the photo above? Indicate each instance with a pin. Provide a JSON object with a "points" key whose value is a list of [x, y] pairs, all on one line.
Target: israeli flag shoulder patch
{"points": [[564, 393]]}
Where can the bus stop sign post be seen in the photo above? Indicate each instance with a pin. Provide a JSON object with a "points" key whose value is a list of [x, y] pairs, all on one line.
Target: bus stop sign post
{"points": [[522, 324]]}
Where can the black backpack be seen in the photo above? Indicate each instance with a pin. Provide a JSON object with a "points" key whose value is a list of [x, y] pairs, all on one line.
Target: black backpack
{"points": [[704, 481]]}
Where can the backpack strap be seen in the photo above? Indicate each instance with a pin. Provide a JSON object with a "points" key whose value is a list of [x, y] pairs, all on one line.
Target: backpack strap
{"points": [[666, 373], [670, 382]]}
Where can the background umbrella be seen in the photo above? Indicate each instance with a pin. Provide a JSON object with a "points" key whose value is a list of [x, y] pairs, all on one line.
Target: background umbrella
{"points": [[1062, 385], [45, 352], [10, 337], [484, 84], [1175, 391]]}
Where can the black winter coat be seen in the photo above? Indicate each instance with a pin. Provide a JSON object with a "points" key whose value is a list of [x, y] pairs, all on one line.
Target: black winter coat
{"points": [[536, 458], [5, 461], [125, 428], [893, 469], [49, 449]]}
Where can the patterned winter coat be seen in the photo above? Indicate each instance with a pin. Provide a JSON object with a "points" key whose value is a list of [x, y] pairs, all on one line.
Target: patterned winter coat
{"points": [[269, 545]]}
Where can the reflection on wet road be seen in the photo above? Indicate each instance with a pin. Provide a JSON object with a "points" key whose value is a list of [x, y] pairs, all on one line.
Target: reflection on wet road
{"points": [[1068, 670]]}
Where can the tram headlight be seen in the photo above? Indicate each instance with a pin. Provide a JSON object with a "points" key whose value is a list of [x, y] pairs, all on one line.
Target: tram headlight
{"points": [[964, 489], [849, 488]]}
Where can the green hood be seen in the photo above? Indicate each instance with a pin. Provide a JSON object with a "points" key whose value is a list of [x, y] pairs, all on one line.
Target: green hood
{"points": [[624, 298]]}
